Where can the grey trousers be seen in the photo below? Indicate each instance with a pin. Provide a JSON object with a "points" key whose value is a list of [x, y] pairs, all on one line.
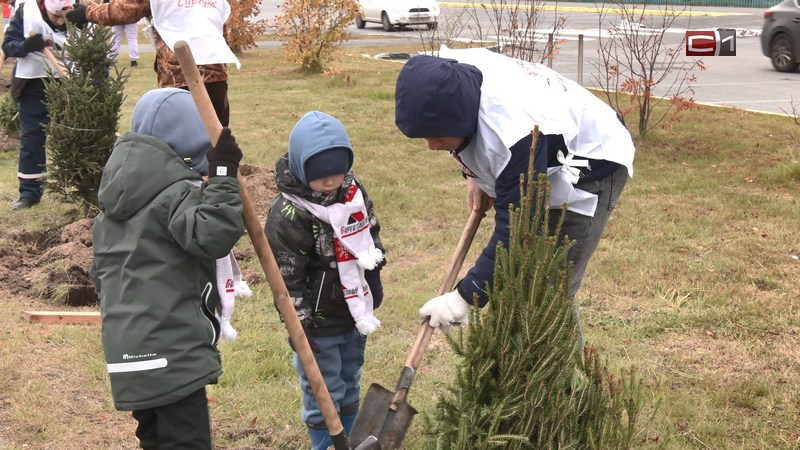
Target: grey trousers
{"points": [[587, 231]]}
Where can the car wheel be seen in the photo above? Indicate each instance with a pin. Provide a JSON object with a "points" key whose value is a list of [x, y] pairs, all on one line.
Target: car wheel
{"points": [[387, 26], [782, 54], [432, 26], [360, 22]]}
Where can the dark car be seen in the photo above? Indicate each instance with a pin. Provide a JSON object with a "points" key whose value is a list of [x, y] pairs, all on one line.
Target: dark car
{"points": [[780, 38]]}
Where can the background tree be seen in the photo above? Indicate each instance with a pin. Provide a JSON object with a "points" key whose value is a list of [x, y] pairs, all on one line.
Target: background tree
{"points": [[516, 26], [84, 113], [314, 29], [242, 29], [636, 59], [521, 382], [9, 122]]}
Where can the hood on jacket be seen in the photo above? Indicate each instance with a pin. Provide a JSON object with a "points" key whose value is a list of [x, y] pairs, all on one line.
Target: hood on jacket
{"points": [[170, 114], [139, 168], [287, 182], [314, 133], [437, 97]]}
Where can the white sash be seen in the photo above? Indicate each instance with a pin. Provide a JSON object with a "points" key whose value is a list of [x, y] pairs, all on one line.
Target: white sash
{"points": [[199, 23], [515, 96], [33, 65]]}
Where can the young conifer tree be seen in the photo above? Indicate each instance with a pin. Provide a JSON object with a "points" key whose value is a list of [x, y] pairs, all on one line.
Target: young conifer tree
{"points": [[521, 382], [84, 109]]}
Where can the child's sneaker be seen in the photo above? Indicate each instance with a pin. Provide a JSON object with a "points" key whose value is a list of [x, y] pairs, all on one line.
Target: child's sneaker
{"points": [[134, 63]]}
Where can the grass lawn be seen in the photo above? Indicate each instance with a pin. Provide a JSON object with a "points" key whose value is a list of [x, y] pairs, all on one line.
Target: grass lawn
{"points": [[695, 283]]}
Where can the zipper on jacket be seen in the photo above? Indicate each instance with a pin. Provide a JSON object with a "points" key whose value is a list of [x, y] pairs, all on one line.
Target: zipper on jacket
{"points": [[319, 294]]}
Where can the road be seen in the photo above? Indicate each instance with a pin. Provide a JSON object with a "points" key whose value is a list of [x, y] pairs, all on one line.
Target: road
{"points": [[746, 80]]}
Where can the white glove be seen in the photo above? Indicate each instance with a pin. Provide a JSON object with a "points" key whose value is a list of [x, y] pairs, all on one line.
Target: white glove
{"points": [[366, 325], [445, 310]]}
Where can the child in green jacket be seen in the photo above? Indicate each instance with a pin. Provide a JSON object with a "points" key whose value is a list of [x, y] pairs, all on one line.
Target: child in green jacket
{"points": [[155, 244]]}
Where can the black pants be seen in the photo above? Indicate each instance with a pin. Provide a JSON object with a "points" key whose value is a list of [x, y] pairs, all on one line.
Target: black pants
{"points": [[183, 425], [218, 94]]}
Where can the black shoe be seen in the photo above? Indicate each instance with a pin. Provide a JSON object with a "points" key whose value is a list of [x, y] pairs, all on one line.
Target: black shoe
{"points": [[134, 63], [23, 203]]}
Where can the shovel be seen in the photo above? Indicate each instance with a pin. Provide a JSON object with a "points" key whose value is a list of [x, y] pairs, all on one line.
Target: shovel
{"points": [[267, 260], [385, 414]]}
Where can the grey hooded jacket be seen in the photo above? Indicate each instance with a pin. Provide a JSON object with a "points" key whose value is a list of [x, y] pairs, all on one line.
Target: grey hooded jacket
{"points": [[155, 243]]}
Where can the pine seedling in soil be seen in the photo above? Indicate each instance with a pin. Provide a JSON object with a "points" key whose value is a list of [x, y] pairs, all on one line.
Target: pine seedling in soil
{"points": [[521, 382], [84, 110]]}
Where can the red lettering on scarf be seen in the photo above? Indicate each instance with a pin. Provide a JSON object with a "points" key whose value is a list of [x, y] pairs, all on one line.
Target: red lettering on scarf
{"points": [[351, 193], [342, 255]]}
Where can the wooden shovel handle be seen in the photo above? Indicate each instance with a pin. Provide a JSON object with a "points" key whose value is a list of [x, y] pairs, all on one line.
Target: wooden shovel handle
{"points": [[53, 60], [426, 331], [261, 245]]}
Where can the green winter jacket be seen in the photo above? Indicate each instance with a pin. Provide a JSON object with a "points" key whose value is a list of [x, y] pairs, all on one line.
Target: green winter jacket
{"points": [[155, 244]]}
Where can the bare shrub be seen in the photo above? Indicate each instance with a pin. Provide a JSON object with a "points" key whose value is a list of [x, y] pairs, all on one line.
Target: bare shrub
{"points": [[635, 58]]}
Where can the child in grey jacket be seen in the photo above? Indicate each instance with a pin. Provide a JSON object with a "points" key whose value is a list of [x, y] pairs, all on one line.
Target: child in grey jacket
{"points": [[326, 240]]}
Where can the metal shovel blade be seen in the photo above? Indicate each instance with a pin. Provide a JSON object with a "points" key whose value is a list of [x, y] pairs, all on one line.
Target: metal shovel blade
{"points": [[375, 418]]}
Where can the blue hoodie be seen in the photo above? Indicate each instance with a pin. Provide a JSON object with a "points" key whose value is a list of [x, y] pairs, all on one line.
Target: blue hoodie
{"points": [[315, 133], [439, 97]]}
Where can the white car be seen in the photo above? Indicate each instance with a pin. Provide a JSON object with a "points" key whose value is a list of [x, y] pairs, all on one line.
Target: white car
{"points": [[396, 14]]}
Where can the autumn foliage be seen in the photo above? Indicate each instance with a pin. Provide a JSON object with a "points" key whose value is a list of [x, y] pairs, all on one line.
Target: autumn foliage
{"points": [[240, 29], [314, 30]]}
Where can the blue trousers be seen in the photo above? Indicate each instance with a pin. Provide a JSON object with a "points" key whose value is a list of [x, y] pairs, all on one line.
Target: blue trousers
{"points": [[340, 359], [32, 118]]}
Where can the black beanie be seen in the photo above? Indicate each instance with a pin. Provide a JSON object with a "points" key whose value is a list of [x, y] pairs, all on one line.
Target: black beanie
{"points": [[334, 161]]}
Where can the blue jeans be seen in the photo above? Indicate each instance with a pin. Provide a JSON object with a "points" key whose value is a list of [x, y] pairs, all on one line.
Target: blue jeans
{"points": [[32, 118], [340, 359], [587, 231]]}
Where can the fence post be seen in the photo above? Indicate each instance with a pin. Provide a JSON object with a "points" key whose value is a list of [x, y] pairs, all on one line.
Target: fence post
{"points": [[580, 59]]}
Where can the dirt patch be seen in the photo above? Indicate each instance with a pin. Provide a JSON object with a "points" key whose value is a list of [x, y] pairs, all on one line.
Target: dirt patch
{"points": [[54, 263]]}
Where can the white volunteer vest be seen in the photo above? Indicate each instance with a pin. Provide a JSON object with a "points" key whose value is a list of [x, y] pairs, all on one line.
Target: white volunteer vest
{"points": [[33, 65], [199, 23], [516, 96]]}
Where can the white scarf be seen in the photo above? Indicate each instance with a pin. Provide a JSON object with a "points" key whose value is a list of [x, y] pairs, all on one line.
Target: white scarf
{"points": [[230, 285], [199, 23], [355, 251], [33, 65], [515, 96]]}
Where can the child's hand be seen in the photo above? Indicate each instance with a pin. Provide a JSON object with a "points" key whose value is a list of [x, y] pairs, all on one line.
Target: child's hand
{"points": [[223, 159], [35, 43], [373, 279]]}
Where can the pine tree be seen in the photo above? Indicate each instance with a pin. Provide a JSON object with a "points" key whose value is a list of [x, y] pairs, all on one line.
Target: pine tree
{"points": [[521, 381], [84, 110]]}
